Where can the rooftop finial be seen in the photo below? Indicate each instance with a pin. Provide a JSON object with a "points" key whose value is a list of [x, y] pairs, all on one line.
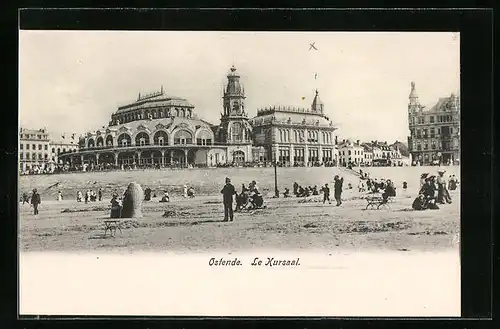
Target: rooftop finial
{"points": [[139, 97], [413, 92], [161, 89]]}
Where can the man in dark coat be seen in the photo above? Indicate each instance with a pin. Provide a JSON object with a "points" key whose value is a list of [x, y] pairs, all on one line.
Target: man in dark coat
{"points": [[35, 201], [227, 192], [147, 194], [326, 194], [338, 189], [389, 191], [295, 188], [100, 194]]}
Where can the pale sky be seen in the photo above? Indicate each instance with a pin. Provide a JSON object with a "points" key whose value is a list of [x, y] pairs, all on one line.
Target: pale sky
{"points": [[72, 81]]}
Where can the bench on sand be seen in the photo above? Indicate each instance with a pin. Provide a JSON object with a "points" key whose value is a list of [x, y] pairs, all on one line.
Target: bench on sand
{"points": [[377, 202], [111, 225]]}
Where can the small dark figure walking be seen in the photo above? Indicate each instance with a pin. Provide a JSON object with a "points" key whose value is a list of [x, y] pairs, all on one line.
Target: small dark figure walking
{"points": [[338, 189], [100, 195], [227, 192], [25, 198], [35, 201], [326, 194], [405, 186]]}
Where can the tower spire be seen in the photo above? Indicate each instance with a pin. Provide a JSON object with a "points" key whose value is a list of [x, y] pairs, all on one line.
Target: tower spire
{"points": [[317, 105], [413, 95]]}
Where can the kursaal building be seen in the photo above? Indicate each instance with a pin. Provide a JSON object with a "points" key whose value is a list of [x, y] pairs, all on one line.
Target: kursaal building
{"points": [[164, 130]]}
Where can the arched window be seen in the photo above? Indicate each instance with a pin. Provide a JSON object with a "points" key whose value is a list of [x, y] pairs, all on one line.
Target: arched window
{"points": [[238, 157], [236, 132], [204, 138], [142, 139], [160, 138], [124, 140], [109, 140], [90, 143], [53, 150], [59, 151], [183, 137], [100, 141]]}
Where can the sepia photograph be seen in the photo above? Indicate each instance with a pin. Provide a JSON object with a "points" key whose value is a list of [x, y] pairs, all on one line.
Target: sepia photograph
{"points": [[235, 173]]}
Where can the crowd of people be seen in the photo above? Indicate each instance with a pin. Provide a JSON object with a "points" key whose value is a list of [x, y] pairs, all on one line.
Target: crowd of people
{"points": [[434, 190], [92, 167]]}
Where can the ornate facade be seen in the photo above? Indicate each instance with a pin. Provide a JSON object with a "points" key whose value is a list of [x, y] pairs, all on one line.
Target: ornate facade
{"points": [[434, 132], [295, 136], [164, 130]]}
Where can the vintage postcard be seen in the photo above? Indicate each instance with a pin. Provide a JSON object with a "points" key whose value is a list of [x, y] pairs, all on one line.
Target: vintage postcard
{"points": [[210, 173]]}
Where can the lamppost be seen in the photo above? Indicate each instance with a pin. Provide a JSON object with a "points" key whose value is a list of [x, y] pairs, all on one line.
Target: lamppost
{"points": [[276, 192], [275, 163]]}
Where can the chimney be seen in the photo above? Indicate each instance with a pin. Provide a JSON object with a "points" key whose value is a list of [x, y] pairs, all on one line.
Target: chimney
{"points": [[357, 142]]}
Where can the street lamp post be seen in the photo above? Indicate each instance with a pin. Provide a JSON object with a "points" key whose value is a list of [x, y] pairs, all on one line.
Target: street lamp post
{"points": [[276, 192]]}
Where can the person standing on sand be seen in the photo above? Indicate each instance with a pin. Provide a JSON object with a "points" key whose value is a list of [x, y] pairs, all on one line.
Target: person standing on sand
{"points": [[227, 192], [25, 197], [35, 201], [326, 194], [338, 189], [59, 196], [185, 192], [100, 194]]}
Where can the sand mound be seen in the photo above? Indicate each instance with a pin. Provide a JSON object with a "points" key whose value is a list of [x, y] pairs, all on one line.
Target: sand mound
{"points": [[175, 213], [67, 210], [428, 233], [312, 200]]}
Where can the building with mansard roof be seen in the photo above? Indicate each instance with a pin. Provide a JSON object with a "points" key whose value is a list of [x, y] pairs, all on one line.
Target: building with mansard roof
{"points": [[165, 130], [296, 136]]}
